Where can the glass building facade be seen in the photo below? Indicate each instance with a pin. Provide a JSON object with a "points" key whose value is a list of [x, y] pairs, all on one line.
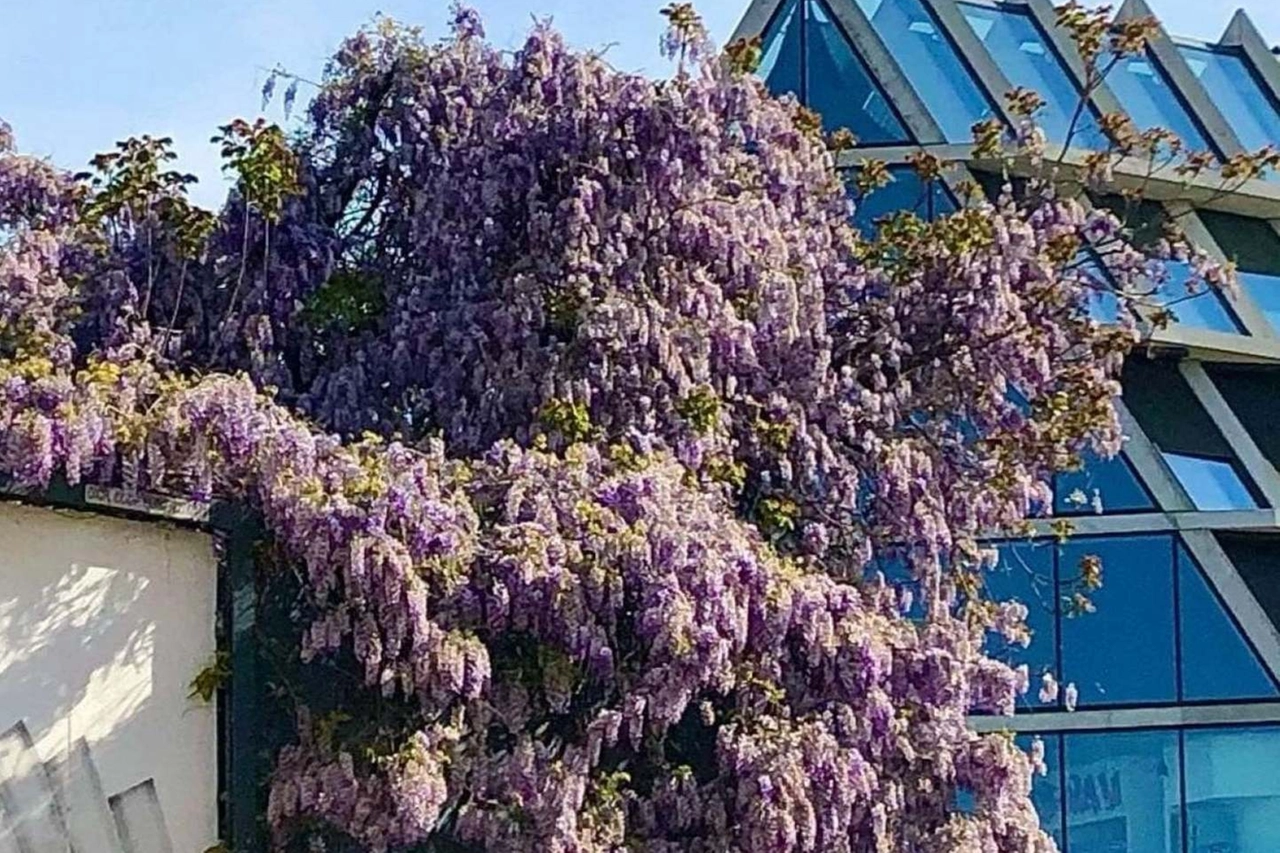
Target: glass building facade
{"points": [[1174, 746]]}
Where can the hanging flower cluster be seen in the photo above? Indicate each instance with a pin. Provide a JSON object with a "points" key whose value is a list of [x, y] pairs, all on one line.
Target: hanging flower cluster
{"points": [[581, 413], [585, 607]]}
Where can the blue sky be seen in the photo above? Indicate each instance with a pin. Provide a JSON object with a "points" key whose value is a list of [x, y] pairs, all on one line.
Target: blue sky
{"points": [[76, 75]]}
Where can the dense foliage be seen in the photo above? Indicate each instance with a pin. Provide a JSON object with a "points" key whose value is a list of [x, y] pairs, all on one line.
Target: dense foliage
{"points": [[586, 419]]}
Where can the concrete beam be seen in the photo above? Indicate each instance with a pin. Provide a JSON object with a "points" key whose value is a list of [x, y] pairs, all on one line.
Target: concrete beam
{"points": [[756, 19], [884, 68], [1166, 54], [1131, 718], [1242, 34], [1259, 468], [1222, 573], [1255, 198], [1162, 522], [985, 70], [1150, 465], [1241, 304]]}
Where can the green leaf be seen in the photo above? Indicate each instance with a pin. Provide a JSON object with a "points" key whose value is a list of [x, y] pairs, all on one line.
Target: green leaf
{"points": [[211, 679]]}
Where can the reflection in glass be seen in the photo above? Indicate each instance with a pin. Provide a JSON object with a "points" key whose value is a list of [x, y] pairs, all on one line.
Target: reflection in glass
{"points": [[1025, 573], [1046, 789], [1100, 486], [780, 64], [839, 86], [1026, 58], [1264, 290], [1144, 92], [1233, 790], [1236, 93], [1103, 305], [1123, 792], [1201, 308], [1212, 484], [1255, 248], [931, 64], [905, 192], [1124, 651], [892, 564], [1217, 661]]}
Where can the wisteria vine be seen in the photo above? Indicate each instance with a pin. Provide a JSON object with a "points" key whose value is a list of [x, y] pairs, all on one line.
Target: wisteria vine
{"points": [[584, 416]]}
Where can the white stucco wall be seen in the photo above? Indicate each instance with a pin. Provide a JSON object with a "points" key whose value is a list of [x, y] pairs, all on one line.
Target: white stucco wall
{"points": [[103, 624]]}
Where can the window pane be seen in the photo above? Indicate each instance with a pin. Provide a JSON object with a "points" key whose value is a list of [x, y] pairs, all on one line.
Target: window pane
{"points": [[1255, 248], [1236, 93], [1201, 308], [1264, 290], [1101, 486], [1124, 651], [904, 192], [780, 65], [1123, 792], [1253, 393], [892, 564], [1025, 574], [1147, 221], [1169, 411], [1046, 790], [1103, 305], [839, 86], [1026, 58], [1144, 92], [931, 64], [1255, 557], [1212, 484], [1233, 790], [1144, 219], [1252, 243], [1217, 661]]}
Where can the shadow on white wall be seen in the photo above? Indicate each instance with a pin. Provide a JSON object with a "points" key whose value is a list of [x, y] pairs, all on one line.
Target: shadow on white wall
{"points": [[60, 806], [103, 623]]}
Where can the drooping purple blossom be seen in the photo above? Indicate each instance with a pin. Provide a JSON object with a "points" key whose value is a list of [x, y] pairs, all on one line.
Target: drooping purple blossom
{"points": [[622, 602]]}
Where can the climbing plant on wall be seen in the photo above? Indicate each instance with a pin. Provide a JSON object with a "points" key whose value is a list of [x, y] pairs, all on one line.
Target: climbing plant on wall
{"points": [[587, 428]]}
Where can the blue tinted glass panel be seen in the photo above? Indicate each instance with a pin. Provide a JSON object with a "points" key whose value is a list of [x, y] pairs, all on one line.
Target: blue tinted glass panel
{"points": [[1046, 789], [1124, 651], [1255, 248], [1027, 59], [1025, 573], [1144, 92], [1101, 486], [1123, 793], [893, 565], [839, 86], [931, 64], [1264, 290], [1237, 95], [1200, 308], [1212, 484], [1217, 661], [780, 65], [1103, 305], [1233, 789], [905, 192]]}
